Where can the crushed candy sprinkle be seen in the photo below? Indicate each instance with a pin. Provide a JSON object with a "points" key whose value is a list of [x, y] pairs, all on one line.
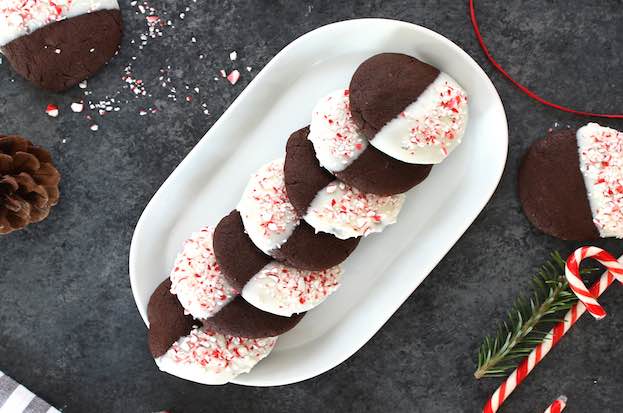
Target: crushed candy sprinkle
{"points": [[291, 290], [267, 192], [335, 136], [77, 107], [233, 77], [196, 277], [218, 353], [52, 110], [348, 212], [601, 163], [439, 126], [22, 13]]}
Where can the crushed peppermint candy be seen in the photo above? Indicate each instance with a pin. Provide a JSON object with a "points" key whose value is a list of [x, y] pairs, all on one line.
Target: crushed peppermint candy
{"points": [[233, 77], [441, 125], [24, 16], [233, 56], [196, 277], [336, 139], [601, 163], [431, 127], [214, 358], [269, 217], [77, 107], [22, 11], [21, 17], [52, 110], [347, 212], [283, 290]]}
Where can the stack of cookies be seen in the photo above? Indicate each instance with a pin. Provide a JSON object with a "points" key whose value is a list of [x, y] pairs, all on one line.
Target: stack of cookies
{"points": [[235, 288]]}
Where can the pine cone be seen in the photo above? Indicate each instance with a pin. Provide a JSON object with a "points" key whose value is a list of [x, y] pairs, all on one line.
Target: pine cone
{"points": [[28, 183]]}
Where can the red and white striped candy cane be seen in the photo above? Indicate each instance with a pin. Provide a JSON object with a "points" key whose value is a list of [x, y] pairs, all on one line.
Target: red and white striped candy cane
{"points": [[551, 339], [572, 272], [558, 405]]}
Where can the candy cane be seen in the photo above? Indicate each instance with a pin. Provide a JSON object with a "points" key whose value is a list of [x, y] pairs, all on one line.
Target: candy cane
{"points": [[572, 272], [558, 405], [551, 339]]}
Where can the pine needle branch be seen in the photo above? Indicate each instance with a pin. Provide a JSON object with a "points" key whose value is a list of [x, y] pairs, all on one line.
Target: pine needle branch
{"points": [[522, 331]]}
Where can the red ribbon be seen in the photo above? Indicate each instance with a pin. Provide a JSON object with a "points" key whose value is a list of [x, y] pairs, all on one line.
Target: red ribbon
{"points": [[523, 88]]}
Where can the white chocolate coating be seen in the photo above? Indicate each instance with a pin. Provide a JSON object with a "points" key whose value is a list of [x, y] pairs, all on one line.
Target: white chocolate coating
{"points": [[283, 290], [196, 277], [346, 212], [267, 214], [601, 163], [429, 128], [211, 358], [21, 17], [336, 138]]}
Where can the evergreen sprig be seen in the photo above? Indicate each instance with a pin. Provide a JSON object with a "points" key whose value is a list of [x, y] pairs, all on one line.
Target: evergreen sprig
{"points": [[524, 328]]}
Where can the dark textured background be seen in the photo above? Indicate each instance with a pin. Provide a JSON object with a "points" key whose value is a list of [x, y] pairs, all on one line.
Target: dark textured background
{"points": [[69, 327]]}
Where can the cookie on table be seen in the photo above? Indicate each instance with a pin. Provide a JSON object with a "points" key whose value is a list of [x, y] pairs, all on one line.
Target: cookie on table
{"points": [[264, 283], [56, 45], [343, 150], [408, 109], [183, 347], [273, 225], [570, 183]]}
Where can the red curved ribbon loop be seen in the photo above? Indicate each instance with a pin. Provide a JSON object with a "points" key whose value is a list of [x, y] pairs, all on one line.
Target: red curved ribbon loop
{"points": [[523, 88]]}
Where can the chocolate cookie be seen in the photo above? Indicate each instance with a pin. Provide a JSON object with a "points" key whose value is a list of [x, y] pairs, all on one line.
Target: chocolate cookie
{"points": [[167, 322], [371, 172], [237, 256], [61, 54], [552, 189], [303, 175], [408, 109], [241, 319], [377, 173], [383, 86], [307, 250]]}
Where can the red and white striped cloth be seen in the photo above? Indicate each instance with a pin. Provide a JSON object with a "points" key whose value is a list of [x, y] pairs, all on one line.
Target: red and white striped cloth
{"points": [[615, 270], [15, 398]]}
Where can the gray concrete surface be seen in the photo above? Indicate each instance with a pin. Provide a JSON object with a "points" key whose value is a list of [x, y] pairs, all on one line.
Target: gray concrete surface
{"points": [[69, 327]]}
